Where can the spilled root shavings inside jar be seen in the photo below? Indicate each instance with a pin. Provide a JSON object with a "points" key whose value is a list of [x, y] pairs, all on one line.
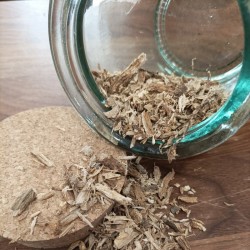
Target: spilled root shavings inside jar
{"points": [[150, 106]]}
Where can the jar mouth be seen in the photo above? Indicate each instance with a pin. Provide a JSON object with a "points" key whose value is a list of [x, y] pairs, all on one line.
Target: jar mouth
{"points": [[174, 62], [71, 62]]}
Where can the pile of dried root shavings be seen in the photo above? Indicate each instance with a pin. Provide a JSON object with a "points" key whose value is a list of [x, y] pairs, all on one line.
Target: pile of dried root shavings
{"points": [[87, 189], [151, 215], [96, 187], [148, 212], [153, 106]]}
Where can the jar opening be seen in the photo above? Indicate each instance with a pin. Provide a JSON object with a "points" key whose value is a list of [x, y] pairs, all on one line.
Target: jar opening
{"points": [[84, 34]]}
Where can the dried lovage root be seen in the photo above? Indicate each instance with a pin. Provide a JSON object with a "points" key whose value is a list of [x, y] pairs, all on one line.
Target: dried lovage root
{"points": [[155, 218], [150, 106]]}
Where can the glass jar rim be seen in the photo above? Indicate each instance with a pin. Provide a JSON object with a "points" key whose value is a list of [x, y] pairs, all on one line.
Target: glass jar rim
{"points": [[68, 53]]}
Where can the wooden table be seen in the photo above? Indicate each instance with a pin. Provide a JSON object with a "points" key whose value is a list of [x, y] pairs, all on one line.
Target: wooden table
{"points": [[28, 79]]}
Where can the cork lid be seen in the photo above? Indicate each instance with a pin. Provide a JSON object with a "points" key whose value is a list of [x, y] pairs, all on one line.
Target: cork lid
{"points": [[35, 147]]}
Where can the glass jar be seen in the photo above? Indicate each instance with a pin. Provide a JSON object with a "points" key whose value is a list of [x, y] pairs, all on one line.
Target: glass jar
{"points": [[185, 37]]}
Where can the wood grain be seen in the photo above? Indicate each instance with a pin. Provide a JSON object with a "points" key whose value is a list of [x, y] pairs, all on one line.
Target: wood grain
{"points": [[28, 79], [27, 75]]}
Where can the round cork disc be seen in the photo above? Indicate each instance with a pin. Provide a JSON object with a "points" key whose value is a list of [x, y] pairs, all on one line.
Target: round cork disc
{"points": [[59, 134]]}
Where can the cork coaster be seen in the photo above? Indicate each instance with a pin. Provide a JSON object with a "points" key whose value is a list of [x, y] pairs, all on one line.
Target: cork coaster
{"points": [[59, 134]]}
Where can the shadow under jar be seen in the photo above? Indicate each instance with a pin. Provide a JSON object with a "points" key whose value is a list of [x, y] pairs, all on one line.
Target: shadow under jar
{"points": [[192, 38]]}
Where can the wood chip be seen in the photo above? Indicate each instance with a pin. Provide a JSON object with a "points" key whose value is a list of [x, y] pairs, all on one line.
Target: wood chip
{"points": [[42, 158], [157, 174], [186, 188], [110, 175], [133, 172], [182, 102], [82, 197], [165, 183], [138, 245], [152, 240], [78, 245], [188, 199], [67, 230], [113, 195], [139, 194], [125, 237], [23, 215], [68, 218], [198, 224], [35, 214], [23, 201], [114, 164], [84, 219], [45, 196], [128, 157], [117, 218], [113, 113], [33, 224], [183, 243], [68, 195], [136, 216], [147, 125], [172, 225]]}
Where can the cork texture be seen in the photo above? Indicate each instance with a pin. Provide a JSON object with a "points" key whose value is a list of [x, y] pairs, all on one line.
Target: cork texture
{"points": [[59, 134]]}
